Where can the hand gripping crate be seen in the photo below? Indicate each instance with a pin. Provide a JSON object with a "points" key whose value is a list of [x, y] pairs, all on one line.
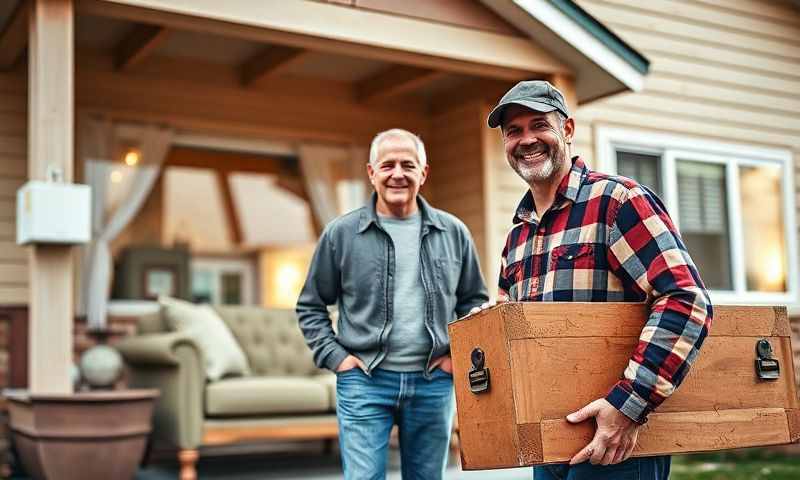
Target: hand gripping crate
{"points": [[520, 368]]}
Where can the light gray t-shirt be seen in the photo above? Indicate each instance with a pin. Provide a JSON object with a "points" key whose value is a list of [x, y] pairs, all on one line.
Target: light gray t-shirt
{"points": [[409, 340]]}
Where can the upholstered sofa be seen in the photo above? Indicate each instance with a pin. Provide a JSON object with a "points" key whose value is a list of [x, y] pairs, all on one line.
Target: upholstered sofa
{"points": [[278, 395]]}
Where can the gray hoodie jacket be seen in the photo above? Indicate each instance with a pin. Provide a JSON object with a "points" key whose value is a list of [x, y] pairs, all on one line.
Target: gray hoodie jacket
{"points": [[353, 266]]}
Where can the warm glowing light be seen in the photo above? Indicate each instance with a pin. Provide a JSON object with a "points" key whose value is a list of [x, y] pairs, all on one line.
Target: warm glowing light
{"points": [[284, 271], [132, 157], [116, 176], [773, 269], [287, 283]]}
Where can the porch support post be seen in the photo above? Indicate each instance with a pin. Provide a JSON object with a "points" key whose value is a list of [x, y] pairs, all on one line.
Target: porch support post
{"points": [[50, 147], [566, 84]]}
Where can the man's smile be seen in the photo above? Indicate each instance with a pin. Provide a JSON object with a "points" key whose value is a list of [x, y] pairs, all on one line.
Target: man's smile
{"points": [[533, 156]]}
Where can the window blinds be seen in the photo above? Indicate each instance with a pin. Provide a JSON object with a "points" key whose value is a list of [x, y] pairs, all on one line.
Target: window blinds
{"points": [[701, 197]]}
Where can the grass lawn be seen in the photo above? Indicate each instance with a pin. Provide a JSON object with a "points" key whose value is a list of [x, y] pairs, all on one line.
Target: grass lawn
{"points": [[747, 465]]}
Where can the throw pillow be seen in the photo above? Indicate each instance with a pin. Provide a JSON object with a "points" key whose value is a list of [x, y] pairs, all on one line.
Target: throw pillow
{"points": [[222, 354]]}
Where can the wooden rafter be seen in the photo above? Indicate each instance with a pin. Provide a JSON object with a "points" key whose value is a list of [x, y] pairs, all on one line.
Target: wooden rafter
{"points": [[137, 46], [234, 226], [488, 90], [269, 62], [14, 36], [294, 185], [394, 81], [306, 24], [230, 161], [223, 164]]}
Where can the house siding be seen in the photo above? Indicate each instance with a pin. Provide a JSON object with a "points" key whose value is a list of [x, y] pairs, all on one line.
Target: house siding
{"points": [[720, 70], [456, 183], [13, 172]]}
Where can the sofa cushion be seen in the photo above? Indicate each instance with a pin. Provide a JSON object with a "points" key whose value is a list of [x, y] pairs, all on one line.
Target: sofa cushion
{"points": [[151, 322], [221, 353], [271, 339], [329, 380], [265, 396]]}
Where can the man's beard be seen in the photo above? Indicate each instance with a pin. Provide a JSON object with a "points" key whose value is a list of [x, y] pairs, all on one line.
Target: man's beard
{"points": [[543, 170]]}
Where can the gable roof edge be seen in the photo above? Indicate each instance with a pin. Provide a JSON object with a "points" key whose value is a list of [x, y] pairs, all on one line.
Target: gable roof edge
{"points": [[603, 63]]}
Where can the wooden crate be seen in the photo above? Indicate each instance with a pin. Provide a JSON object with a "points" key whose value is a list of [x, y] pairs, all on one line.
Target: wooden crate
{"points": [[546, 360]]}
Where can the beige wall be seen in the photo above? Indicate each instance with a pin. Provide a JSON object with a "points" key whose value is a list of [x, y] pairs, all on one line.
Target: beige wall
{"points": [[721, 70], [13, 172], [455, 184]]}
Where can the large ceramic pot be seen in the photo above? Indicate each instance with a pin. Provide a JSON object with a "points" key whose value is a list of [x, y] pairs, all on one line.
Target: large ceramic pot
{"points": [[86, 436]]}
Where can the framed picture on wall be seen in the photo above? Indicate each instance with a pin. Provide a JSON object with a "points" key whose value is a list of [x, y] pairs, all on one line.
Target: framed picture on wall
{"points": [[144, 273], [160, 280]]}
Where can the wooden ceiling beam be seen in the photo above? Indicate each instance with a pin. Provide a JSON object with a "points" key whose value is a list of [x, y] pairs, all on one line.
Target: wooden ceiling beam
{"points": [[223, 164], [294, 185], [475, 89], [227, 161], [14, 36], [271, 61], [234, 225], [394, 81], [306, 24], [140, 44]]}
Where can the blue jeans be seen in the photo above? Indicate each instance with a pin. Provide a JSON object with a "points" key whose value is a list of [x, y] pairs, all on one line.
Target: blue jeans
{"points": [[368, 407], [642, 468]]}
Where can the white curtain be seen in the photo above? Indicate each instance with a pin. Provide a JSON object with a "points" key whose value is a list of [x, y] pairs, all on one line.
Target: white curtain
{"points": [[335, 179], [118, 192]]}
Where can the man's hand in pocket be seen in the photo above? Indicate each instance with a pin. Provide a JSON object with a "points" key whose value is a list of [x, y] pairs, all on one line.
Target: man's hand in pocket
{"points": [[445, 363], [350, 362]]}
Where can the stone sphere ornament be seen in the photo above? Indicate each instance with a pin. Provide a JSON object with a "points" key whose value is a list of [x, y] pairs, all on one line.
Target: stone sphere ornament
{"points": [[101, 366]]}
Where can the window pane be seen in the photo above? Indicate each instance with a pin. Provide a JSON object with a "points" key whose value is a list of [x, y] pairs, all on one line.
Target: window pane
{"points": [[202, 286], [703, 216], [641, 167], [231, 288], [763, 229]]}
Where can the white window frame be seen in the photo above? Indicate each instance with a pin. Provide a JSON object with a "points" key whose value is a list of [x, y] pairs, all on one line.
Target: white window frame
{"points": [[671, 147], [219, 266]]}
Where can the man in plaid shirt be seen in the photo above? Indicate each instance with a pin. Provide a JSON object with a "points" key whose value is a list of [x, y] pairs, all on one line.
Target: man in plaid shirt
{"points": [[583, 236]]}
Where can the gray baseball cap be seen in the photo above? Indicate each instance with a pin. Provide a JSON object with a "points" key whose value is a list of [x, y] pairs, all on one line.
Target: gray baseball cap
{"points": [[538, 95]]}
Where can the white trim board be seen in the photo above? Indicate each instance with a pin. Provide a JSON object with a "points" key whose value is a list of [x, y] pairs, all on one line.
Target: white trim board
{"points": [[598, 70], [580, 39], [606, 136]]}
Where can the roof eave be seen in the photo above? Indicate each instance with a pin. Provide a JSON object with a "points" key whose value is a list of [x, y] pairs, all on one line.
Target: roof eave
{"points": [[603, 63]]}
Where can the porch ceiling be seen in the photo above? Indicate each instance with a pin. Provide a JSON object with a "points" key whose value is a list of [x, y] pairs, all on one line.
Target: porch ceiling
{"points": [[105, 34], [381, 58], [121, 34], [371, 80]]}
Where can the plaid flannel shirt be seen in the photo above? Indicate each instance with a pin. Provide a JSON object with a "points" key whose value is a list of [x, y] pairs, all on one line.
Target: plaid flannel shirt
{"points": [[609, 239]]}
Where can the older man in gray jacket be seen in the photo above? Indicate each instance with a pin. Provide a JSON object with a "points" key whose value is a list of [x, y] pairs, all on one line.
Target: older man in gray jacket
{"points": [[399, 271]]}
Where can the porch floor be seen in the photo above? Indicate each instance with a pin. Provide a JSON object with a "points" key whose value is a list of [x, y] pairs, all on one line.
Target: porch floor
{"points": [[308, 467]]}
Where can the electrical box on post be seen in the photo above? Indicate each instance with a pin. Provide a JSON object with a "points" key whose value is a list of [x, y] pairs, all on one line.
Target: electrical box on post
{"points": [[53, 213]]}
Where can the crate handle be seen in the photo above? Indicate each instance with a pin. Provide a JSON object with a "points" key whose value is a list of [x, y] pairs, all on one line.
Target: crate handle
{"points": [[478, 375], [767, 367]]}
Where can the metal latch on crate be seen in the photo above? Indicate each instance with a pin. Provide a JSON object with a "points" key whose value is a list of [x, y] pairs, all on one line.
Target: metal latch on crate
{"points": [[767, 367], [478, 375]]}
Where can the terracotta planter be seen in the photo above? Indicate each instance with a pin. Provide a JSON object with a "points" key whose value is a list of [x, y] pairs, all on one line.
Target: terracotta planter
{"points": [[87, 435]]}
